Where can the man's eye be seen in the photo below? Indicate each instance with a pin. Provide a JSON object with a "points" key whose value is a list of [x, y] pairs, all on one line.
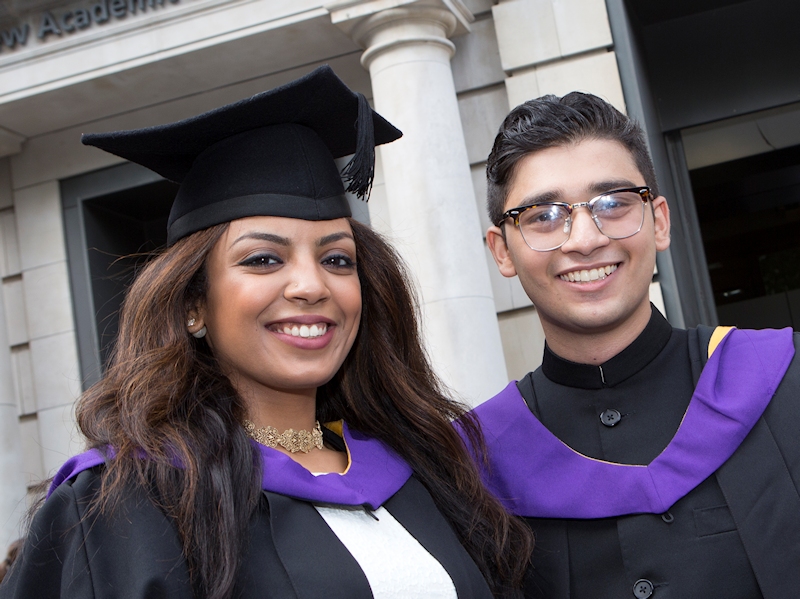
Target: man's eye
{"points": [[546, 216], [542, 216], [609, 204], [617, 206]]}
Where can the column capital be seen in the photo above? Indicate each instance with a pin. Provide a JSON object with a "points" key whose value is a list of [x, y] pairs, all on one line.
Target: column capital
{"points": [[363, 20], [357, 18]]}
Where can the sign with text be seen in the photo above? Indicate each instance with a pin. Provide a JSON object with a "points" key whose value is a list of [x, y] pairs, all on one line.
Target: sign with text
{"points": [[50, 25]]}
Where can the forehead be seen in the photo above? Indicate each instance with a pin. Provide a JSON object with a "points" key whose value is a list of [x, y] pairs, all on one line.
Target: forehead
{"points": [[573, 172]]}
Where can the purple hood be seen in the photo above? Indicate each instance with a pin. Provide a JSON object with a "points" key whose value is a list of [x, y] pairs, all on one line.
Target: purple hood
{"points": [[534, 474]]}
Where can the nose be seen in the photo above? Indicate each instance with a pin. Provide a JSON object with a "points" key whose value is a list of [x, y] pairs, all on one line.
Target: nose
{"points": [[585, 235], [307, 283]]}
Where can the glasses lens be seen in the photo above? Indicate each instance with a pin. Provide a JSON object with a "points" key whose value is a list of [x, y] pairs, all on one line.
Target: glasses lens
{"points": [[619, 215], [544, 227]]}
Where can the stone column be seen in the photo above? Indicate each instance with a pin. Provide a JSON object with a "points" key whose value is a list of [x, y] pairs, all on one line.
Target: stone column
{"points": [[12, 488], [431, 207]]}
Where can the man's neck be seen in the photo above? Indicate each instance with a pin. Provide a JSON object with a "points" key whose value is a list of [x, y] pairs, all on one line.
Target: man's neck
{"points": [[595, 347]]}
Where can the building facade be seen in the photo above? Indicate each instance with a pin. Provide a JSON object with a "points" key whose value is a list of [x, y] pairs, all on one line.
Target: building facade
{"points": [[445, 72]]}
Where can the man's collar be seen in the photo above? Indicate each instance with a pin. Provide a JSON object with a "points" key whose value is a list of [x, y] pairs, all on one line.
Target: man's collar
{"points": [[625, 364]]}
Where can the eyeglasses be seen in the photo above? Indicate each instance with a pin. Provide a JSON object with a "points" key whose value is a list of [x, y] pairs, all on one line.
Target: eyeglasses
{"points": [[618, 214]]}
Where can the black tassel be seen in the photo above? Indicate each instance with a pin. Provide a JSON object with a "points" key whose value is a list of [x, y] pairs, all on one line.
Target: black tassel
{"points": [[360, 171]]}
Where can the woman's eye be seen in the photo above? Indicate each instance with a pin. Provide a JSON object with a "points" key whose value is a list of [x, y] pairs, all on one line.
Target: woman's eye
{"points": [[338, 261], [261, 260]]}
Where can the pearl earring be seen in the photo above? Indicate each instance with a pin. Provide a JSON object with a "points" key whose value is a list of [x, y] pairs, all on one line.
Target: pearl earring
{"points": [[197, 334]]}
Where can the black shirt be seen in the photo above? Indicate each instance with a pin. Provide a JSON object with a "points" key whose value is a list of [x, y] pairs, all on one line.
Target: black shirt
{"points": [[626, 411]]}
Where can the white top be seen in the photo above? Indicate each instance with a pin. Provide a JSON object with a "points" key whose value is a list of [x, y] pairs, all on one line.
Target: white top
{"points": [[395, 564]]}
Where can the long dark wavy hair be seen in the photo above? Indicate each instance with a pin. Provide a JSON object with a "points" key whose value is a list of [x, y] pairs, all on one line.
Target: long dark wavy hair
{"points": [[164, 395]]}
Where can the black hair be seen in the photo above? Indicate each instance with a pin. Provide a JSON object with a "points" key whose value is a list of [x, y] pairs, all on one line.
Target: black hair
{"points": [[551, 121]]}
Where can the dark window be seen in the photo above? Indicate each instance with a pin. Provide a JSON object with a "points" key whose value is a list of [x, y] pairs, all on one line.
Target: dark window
{"points": [[114, 219], [749, 213]]}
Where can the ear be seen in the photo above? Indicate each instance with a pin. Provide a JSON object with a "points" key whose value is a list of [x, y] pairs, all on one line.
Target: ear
{"points": [[499, 248], [195, 314], [661, 223]]}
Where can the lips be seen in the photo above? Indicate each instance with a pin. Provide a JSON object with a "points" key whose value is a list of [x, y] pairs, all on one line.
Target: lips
{"points": [[302, 326], [588, 275]]}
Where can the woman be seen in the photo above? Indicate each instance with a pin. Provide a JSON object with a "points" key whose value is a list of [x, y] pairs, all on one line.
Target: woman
{"points": [[270, 311]]}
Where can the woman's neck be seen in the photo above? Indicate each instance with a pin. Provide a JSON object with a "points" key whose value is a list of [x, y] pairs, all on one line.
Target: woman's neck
{"points": [[279, 408]]}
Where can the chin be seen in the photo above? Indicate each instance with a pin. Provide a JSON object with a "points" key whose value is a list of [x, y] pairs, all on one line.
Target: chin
{"points": [[587, 319], [308, 379], [603, 318]]}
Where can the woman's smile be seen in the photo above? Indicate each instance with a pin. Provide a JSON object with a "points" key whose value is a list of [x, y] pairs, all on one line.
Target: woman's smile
{"points": [[305, 332]]}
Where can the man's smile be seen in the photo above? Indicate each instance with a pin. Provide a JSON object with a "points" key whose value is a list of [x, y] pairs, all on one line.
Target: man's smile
{"points": [[586, 275]]}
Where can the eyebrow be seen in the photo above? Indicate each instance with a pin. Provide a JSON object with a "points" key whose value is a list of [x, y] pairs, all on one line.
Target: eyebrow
{"points": [[594, 189], [264, 237], [333, 237], [610, 185]]}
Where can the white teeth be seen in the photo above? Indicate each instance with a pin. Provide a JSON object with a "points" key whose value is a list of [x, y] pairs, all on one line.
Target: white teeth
{"points": [[305, 331], [584, 276]]}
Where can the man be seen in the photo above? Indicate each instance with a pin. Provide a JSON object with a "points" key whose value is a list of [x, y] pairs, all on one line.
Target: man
{"points": [[649, 461]]}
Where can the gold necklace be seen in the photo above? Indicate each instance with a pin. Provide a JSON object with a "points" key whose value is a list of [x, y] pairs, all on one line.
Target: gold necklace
{"points": [[290, 439]]}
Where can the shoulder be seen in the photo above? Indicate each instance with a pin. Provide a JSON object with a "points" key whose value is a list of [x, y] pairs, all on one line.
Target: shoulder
{"points": [[789, 387], [63, 511], [54, 547], [80, 487], [73, 510], [93, 551], [504, 410], [509, 395]]}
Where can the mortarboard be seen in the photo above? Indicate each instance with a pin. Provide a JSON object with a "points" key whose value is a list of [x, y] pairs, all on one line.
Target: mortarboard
{"points": [[268, 155]]}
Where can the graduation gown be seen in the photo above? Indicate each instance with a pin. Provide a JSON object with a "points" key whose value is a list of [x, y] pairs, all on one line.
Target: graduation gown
{"points": [[292, 552], [657, 475]]}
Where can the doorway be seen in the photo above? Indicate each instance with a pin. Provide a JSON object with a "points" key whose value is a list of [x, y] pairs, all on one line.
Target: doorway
{"points": [[748, 210], [114, 220]]}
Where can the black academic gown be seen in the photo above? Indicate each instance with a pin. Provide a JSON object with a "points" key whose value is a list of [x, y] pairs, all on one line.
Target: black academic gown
{"points": [[709, 543], [136, 554]]}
